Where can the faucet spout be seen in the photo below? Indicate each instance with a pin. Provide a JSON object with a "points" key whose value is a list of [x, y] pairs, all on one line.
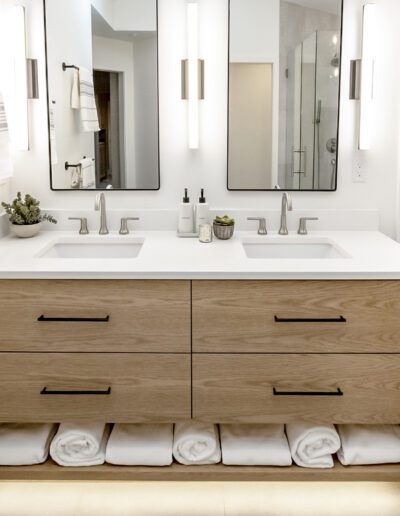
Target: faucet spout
{"points": [[100, 205], [286, 206]]}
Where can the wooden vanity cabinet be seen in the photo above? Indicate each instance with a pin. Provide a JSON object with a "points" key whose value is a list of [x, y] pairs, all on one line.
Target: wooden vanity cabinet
{"points": [[277, 388], [107, 316], [102, 350], [296, 316], [112, 388], [219, 351], [281, 351]]}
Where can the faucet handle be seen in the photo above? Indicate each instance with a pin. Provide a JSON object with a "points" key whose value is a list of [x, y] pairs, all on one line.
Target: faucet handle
{"points": [[84, 227], [262, 225], [303, 225], [124, 230]]}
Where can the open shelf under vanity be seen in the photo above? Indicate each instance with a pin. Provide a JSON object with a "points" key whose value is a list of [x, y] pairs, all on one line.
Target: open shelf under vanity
{"points": [[50, 471]]}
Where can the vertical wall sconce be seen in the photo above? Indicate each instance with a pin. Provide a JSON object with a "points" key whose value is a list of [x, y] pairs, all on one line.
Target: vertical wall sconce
{"points": [[193, 76], [367, 76], [19, 111]]}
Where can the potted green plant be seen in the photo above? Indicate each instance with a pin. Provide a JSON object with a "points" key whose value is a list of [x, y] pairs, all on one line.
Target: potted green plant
{"points": [[224, 227], [25, 216]]}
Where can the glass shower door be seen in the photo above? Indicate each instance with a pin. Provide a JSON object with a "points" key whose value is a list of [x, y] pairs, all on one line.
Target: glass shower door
{"points": [[312, 105]]}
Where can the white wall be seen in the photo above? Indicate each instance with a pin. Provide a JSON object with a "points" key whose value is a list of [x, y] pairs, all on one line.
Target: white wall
{"points": [[70, 33], [106, 9], [130, 15], [135, 15], [207, 166], [146, 115]]}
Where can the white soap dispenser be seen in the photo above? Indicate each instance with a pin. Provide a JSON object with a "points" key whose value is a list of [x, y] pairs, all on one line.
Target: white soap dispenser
{"points": [[186, 218], [202, 212]]}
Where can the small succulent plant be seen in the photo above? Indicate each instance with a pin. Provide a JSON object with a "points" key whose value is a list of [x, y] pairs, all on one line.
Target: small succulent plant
{"points": [[224, 221], [26, 211]]}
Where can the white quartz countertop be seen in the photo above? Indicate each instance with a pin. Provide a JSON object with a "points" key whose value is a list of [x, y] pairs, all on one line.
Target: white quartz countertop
{"points": [[371, 255]]}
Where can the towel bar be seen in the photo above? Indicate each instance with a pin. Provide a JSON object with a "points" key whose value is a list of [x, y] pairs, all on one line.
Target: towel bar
{"points": [[65, 67], [71, 165]]}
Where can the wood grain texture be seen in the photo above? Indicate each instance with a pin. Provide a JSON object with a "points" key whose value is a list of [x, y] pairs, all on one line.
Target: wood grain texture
{"points": [[213, 473], [145, 387], [239, 388], [145, 316], [238, 316]]}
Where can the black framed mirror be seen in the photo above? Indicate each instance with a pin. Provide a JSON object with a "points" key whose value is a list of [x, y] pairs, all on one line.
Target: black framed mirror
{"points": [[284, 94], [102, 87]]}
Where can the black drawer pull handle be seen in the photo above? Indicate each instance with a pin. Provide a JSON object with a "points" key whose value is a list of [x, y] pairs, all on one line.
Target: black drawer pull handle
{"points": [[338, 392], [340, 319], [47, 392], [42, 318]]}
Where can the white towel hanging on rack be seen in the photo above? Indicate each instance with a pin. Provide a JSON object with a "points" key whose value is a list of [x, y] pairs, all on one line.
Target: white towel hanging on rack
{"points": [[83, 98]]}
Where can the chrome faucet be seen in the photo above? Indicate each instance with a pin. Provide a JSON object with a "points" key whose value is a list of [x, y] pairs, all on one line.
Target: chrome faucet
{"points": [[100, 205], [286, 206]]}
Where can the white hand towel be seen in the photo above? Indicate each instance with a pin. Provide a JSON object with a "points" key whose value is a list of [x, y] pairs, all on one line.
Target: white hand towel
{"points": [[255, 445], [312, 446], [196, 443], [87, 173], [75, 97], [76, 177], [25, 444], [87, 101], [140, 445], [369, 444], [78, 444], [6, 167]]}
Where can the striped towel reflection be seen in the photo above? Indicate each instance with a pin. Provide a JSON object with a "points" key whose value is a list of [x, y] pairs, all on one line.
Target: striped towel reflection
{"points": [[6, 168], [53, 141], [87, 101]]}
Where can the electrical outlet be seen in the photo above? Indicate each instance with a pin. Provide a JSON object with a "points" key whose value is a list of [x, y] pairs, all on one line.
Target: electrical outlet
{"points": [[359, 170]]}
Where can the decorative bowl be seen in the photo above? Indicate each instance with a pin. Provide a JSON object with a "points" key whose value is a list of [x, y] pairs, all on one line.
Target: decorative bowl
{"points": [[223, 232], [26, 231]]}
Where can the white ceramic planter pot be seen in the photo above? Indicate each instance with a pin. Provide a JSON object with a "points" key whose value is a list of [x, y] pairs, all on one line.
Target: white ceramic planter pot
{"points": [[26, 231]]}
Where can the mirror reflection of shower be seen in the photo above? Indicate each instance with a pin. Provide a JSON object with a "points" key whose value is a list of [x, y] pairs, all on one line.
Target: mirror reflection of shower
{"points": [[311, 112]]}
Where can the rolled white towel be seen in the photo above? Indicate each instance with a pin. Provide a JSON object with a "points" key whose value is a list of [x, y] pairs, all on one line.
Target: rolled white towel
{"points": [[25, 444], [312, 446], [196, 443], [140, 445], [369, 444], [255, 445], [80, 444]]}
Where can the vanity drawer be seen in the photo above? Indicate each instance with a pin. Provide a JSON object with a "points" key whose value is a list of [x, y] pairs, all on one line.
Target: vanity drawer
{"points": [[284, 388], [94, 387], [296, 316], [118, 316]]}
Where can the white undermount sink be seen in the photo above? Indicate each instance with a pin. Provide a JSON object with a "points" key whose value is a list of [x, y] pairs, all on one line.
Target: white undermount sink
{"points": [[102, 247], [288, 247]]}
